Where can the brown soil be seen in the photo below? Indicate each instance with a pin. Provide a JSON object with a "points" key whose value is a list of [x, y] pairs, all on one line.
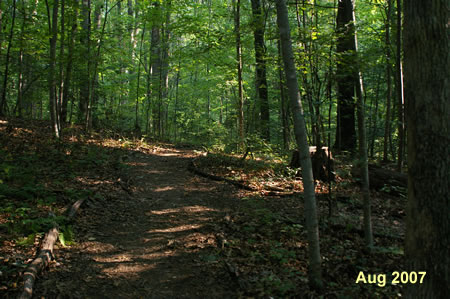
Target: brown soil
{"points": [[157, 241]]}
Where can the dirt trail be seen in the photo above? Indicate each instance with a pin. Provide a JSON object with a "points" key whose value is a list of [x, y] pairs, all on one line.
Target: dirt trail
{"points": [[160, 242]]}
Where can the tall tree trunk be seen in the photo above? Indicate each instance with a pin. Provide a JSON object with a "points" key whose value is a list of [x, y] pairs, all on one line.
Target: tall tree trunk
{"points": [[3, 105], [68, 74], [374, 121], [345, 131], [93, 99], [315, 276], [427, 93], [363, 161], [60, 96], [53, 30], [137, 127], [1, 24], [237, 31], [283, 109], [86, 68], [261, 77], [156, 68], [399, 90], [387, 123], [20, 77], [165, 67]]}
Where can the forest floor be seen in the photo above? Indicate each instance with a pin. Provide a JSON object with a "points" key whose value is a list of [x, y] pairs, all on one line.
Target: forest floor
{"points": [[150, 228]]}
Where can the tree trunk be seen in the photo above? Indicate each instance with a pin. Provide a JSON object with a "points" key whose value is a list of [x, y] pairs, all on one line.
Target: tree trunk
{"points": [[53, 30], [387, 123], [362, 139], [20, 77], [315, 276], [237, 31], [3, 105], [261, 77], [86, 49], [427, 94], [165, 68], [345, 130], [375, 119], [156, 68], [363, 161], [283, 110], [137, 127], [399, 90], [68, 74], [60, 96]]}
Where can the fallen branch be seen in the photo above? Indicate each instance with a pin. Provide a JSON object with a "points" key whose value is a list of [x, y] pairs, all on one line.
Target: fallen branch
{"points": [[273, 191], [192, 167], [360, 232], [45, 255]]}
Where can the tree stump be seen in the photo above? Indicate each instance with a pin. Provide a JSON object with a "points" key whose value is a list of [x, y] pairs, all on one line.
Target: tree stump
{"points": [[322, 163]]}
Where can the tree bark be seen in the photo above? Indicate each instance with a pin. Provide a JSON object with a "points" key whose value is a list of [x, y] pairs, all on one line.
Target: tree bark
{"points": [[315, 276], [261, 77], [363, 161], [362, 140], [427, 94], [283, 109], [156, 67], [399, 90], [345, 130], [68, 74], [165, 67], [387, 121], [53, 28], [237, 31], [60, 96], [20, 75], [3, 105], [86, 49]]}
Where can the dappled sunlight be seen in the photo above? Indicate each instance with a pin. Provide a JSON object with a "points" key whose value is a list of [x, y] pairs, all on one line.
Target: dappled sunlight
{"points": [[174, 154], [134, 163], [92, 181], [176, 229], [98, 247], [162, 189], [155, 171], [128, 269], [190, 209], [117, 258]]}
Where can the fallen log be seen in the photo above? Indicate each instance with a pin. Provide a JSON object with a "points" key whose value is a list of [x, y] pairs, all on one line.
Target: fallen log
{"points": [[360, 232], [268, 191], [192, 167], [45, 255], [380, 177]]}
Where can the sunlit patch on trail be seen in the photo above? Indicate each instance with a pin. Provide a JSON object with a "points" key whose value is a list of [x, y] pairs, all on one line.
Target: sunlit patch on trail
{"points": [[113, 259], [175, 229], [189, 209], [162, 189], [128, 269]]}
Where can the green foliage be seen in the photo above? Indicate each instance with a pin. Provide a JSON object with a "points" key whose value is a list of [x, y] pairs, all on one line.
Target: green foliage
{"points": [[280, 254], [397, 189], [66, 236]]}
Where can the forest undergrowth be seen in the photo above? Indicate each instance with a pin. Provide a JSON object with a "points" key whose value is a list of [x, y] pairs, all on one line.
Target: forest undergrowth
{"points": [[262, 244]]}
